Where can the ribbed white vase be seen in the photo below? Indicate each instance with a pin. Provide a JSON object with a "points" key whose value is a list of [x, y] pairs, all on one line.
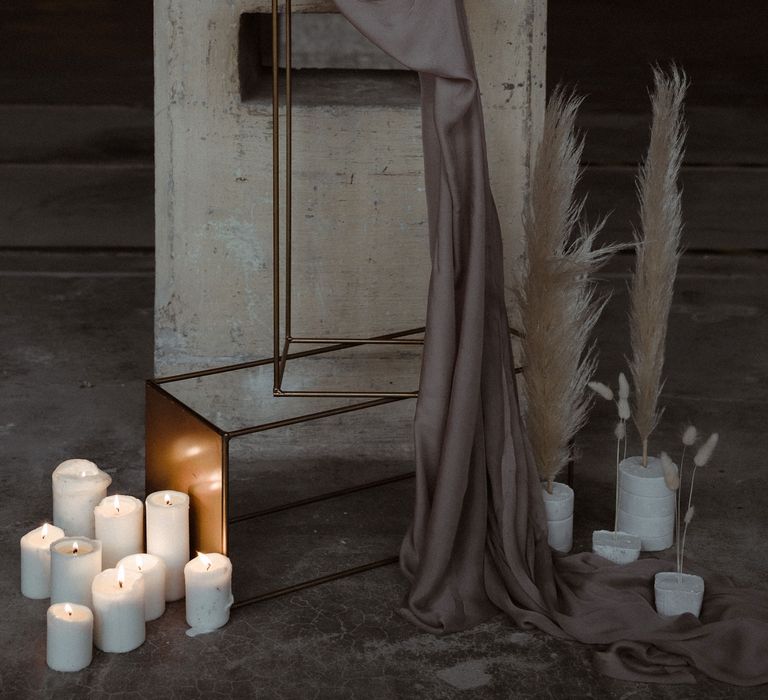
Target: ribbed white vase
{"points": [[678, 593], [646, 505], [559, 508]]}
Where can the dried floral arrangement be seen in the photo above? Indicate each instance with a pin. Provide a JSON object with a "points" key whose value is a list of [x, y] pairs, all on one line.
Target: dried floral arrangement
{"points": [[620, 430], [657, 249], [559, 306], [674, 479]]}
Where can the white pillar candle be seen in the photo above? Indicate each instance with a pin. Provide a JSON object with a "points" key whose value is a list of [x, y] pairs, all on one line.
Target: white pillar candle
{"points": [[208, 579], [78, 486], [152, 568], [168, 536], [558, 506], [119, 524], [118, 610], [36, 560], [69, 645], [74, 563]]}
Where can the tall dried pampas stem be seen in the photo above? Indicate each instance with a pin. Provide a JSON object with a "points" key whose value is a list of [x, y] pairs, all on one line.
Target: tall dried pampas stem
{"points": [[558, 302], [658, 248]]}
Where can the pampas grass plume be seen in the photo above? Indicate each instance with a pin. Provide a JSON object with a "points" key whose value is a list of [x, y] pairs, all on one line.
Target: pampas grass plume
{"points": [[559, 305], [704, 453], [620, 431], [602, 390], [671, 473], [657, 248], [623, 386]]}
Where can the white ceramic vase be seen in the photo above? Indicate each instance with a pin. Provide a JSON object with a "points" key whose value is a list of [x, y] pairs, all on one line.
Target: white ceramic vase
{"points": [[646, 505], [678, 593], [559, 508], [618, 547]]}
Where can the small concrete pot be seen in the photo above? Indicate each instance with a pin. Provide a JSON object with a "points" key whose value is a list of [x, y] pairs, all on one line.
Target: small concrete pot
{"points": [[618, 547], [559, 508], [678, 593], [646, 505]]}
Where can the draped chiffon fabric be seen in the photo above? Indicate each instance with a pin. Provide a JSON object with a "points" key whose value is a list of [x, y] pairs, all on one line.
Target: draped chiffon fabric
{"points": [[478, 541]]}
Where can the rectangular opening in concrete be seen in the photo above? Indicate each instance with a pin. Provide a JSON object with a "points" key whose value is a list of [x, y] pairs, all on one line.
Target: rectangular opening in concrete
{"points": [[332, 63]]}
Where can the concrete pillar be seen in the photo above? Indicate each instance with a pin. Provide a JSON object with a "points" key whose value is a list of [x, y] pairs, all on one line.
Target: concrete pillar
{"points": [[359, 214], [360, 238]]}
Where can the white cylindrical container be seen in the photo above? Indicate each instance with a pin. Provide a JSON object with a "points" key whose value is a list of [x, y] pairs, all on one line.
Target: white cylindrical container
{"points": [[119, 524], [168, 536], [36, 560], [646, 505], [78, 486], [208, 580], [152, 568], [69, 644], [678, 593], [74, 563], [559, 508], [618, 547], [118, 610]]}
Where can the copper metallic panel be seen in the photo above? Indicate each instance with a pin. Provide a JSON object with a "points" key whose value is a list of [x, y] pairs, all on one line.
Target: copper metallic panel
{"points": [[186, 453]]}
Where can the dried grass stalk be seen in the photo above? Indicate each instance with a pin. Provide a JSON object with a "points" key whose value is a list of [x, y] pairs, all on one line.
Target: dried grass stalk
{"points": [[558, 302], [658, 248]]}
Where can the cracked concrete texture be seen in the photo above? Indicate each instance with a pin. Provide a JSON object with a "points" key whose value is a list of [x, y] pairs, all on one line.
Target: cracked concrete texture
{"points": [[78, 344]]}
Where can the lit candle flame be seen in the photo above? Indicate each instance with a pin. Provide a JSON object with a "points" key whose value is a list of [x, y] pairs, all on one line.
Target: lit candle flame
{"points": [[116, 503], [44, 532], [168, 499], [68, 609], [121, 576], [139, 561], [83, 473], [75, 548], [205, 560]]}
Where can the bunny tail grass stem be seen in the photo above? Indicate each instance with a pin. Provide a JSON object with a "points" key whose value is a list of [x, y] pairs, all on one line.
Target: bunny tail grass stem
{"points": [[616, 512], [657, 247], [559, 304], [677, 513]]}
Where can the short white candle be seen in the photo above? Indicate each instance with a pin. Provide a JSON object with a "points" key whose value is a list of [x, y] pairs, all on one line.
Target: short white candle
{"points": [[152, 568], [74, 563], [78, 485], [119, 527], [36, 560], [168, 536], [70, 637], [118, 610], [208, 579]]}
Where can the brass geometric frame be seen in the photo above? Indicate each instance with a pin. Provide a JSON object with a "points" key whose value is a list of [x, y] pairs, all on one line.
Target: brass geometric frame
{"points": [[188, 452]]}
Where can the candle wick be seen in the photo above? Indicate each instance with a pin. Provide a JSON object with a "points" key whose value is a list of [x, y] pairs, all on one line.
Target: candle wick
{"points": [[207, 567], [120, 583]]}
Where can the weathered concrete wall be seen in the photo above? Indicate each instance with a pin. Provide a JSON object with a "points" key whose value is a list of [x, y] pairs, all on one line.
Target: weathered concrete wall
{"points": [[359, 213], [360, 240]]}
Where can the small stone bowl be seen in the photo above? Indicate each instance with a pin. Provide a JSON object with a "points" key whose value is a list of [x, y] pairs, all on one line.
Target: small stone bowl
{"points": [[618, 547]]}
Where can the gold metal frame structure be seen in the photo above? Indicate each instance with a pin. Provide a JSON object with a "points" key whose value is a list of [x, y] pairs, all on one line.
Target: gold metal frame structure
{"points": [[188, 452]]}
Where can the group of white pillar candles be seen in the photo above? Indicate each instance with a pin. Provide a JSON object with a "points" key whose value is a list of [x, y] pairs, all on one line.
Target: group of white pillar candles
{"points": [[103, 585]]}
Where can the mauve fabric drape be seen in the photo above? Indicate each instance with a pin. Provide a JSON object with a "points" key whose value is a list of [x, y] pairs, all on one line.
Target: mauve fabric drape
{"points": [[478, 541]]}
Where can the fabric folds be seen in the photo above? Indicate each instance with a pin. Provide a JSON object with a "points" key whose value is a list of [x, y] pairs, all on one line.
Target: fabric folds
{"points": [[478, 541]]}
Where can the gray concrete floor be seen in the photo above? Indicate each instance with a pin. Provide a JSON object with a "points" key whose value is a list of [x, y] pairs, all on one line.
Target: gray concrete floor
{"points": [[77, 343], [76, 327]]}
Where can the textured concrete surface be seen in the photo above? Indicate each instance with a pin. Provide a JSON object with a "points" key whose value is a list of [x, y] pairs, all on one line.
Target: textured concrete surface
{"points": [[77, 342], [359, 222]]}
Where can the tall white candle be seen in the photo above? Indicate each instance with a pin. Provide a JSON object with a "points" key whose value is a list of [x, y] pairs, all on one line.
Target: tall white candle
{"points": [[69, 645], [208, 580], [36, 560], [120, 528], [168, 536], [74, 563], [152, 568], [78, 486], [118, 610]]}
